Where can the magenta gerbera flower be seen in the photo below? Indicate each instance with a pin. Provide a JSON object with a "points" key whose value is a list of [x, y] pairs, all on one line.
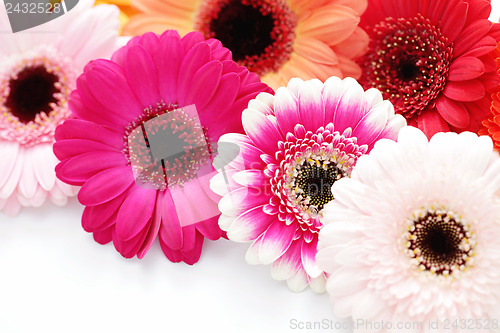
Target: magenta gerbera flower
{"points": [[157, 92], [430, 59], [297, 144]]}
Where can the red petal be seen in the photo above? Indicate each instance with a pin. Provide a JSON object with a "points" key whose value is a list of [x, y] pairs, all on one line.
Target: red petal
{"points": [[466, 68], [430, 122], [464, 91], [455, 21], [455, 113], [470, 36]]}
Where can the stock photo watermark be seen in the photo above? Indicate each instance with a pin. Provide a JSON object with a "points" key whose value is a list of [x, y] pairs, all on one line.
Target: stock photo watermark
{"points": [[474, 325], [26, 14]]}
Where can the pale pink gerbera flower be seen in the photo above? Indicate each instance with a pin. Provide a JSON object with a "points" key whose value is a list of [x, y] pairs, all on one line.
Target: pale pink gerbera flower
{"points": [[130, 111], [297, 144], [38, 70], [412, 236]]}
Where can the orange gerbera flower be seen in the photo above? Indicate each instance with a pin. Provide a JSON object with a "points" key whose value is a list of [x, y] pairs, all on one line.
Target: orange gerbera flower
{"points": [[277, 39], [126, 10], [491, 125]]}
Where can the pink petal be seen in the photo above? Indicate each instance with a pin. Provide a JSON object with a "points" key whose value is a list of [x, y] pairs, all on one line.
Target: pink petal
{"points": [[464, 91], [28, 182], [100, 217], [135, 212], [241, 200], [104, 236], [224, 96], [168, 60], [170, 229], [195, 58], [276, 241], [455, 113], [44, 169], [10, 185], [308, 255], [121, 105], [288, 264], [70, 148], [249, 225], [10, 151], [466, 68], [210, 228], [191, 40], [106, 186], [84, 110], [83, 129], [129, 248], [311, 108], [142, 75], [286, 109], [252, 178], [204, 85], [262, 130], [372, 124], [350, 108], [82, 167], [154, 228]]}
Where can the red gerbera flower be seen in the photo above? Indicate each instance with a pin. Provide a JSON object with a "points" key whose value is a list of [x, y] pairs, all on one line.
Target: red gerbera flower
{"points": [[430, 59]]}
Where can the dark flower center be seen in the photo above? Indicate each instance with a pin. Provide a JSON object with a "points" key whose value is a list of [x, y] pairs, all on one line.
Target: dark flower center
{"points": [[166, 147], [31, 92], [243, 29], [440, 242], [259, 33], [316, 183], [408, 61]]}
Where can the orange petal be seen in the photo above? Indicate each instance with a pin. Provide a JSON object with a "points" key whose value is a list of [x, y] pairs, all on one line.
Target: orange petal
{"points": [[331, 24], [142, 23]]}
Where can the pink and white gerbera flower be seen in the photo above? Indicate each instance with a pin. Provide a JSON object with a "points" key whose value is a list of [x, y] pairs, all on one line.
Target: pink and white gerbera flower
{"points": [[297, 144], [38, 70], [157, 92], [412, 236]]}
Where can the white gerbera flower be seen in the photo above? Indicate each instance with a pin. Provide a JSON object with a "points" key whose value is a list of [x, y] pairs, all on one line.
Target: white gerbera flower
{"points": [[38, 71], [413, 235]]}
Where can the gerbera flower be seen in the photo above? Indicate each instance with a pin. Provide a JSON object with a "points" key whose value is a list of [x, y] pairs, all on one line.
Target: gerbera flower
{"points": [[412, 236], [491, 125], [277, 39], [38, 70], [297, 144], [430, 59], [147, 96]]}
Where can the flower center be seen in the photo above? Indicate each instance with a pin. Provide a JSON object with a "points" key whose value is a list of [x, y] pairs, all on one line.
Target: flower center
{"points": [[259, 33], [309, 164], [166, 146], [439, 241], [34, 95], [31, 92], [314, 181], [408, 61]]}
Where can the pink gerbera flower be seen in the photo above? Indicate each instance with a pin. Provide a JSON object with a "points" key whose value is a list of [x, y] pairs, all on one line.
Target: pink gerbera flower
{"points": [[146, 98], [297, 144], [38, 70], [430, 59]]}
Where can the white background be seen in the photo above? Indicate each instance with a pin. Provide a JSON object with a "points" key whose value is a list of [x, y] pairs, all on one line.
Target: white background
{"points": [[55, 278]]}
